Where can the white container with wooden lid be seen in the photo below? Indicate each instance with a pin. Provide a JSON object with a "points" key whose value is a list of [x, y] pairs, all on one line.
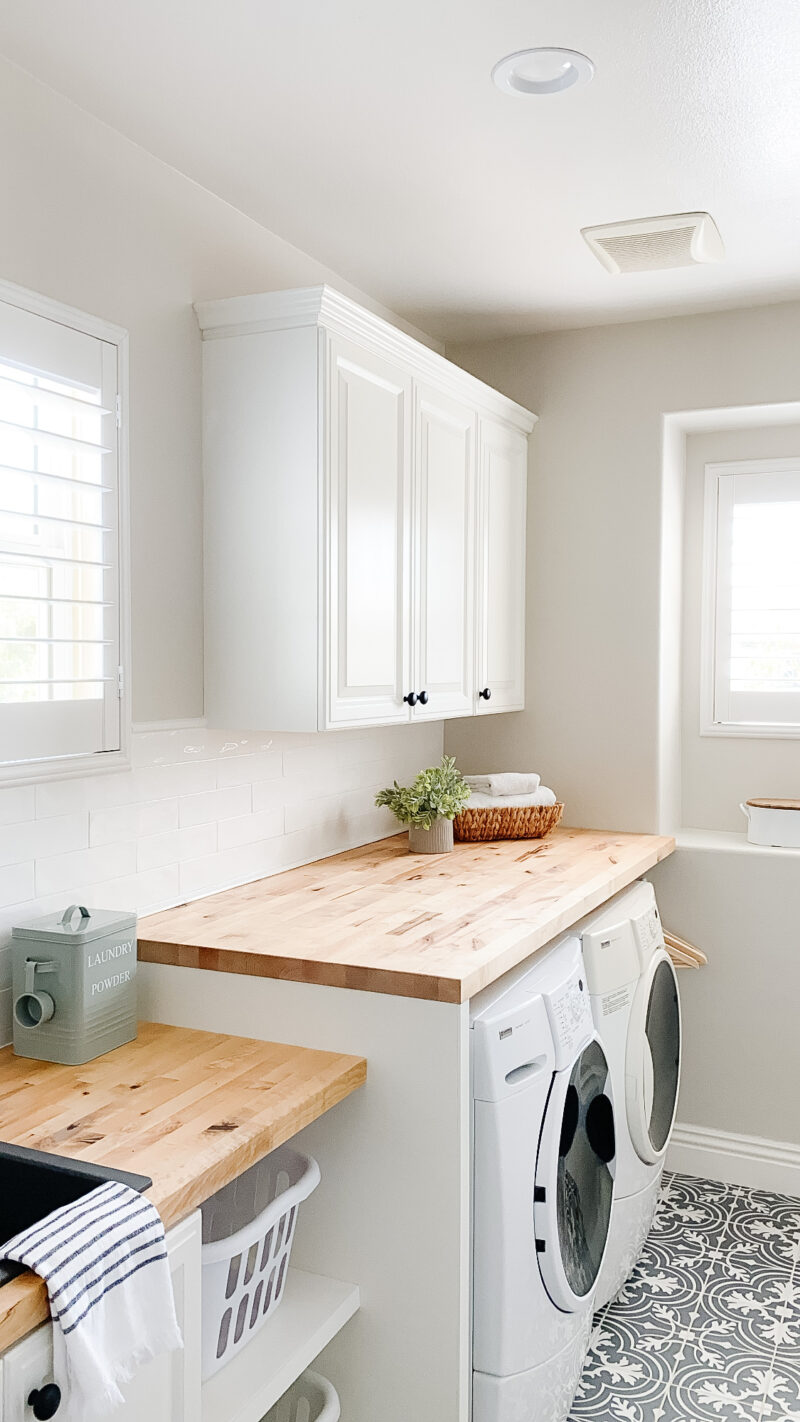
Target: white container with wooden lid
{"points": [[773, 822]]}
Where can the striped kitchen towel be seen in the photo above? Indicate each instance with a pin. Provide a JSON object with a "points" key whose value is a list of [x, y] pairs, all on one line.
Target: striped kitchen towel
{"points": [[104, 1261]]}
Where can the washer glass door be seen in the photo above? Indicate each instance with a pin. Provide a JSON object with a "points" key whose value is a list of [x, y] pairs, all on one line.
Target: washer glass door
{"points": [[574, 1178]]}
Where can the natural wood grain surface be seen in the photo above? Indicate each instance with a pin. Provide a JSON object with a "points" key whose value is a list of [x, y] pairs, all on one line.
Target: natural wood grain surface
{"points": [[383, 920], [190, 1109]]}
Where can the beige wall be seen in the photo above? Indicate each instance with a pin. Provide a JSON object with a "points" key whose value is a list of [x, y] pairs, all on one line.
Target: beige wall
{"points": [[94, 221], [591, 725], [593, 722]]}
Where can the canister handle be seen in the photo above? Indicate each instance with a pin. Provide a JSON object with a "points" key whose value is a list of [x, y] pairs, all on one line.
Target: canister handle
{"points": [[66, 917]]}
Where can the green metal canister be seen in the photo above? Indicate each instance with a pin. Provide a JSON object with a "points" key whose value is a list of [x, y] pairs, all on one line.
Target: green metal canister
{"points": [[74, 984]]}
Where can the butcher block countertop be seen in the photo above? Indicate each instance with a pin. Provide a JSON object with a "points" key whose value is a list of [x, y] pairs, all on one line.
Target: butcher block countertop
{"points": [[190, 1109], [382, 920]]}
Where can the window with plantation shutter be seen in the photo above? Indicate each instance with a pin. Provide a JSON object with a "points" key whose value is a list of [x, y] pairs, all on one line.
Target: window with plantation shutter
{"points": [[61, 644], [752, 598]]}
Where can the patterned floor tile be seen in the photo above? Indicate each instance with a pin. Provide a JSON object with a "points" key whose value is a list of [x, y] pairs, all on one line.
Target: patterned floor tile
{"points": [[707, 1329], [763, 1234], [627, 1371], [782, 1391], [760, 1310], [703, 1392]]}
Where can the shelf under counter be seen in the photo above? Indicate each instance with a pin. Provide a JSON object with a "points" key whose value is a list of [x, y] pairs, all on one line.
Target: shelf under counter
{"points": [[313, 1310]]}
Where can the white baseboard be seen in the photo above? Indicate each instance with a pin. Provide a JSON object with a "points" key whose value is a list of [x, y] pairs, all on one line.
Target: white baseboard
{"points": [[739, 1160]]}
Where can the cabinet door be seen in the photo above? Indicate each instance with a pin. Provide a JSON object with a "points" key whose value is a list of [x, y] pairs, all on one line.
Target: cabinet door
{"points": [[501, 569], [368, 459], [443, 628], [165, 1390]]}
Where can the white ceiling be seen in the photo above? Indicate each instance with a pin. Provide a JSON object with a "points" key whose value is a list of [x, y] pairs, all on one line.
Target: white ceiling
{"points": [[368, 133]]}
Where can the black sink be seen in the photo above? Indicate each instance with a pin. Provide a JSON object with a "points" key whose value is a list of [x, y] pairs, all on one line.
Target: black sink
{"points": [[33, 1184]]}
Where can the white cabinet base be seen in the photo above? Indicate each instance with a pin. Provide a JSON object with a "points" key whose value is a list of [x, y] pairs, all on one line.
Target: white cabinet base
{"points": [[165, 1390]]}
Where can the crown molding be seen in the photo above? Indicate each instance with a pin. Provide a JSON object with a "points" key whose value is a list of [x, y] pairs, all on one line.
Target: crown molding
{"points": [[322, 306]]}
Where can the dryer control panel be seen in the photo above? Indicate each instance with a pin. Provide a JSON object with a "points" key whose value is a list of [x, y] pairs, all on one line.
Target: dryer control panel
{"points": [[648, 932]]}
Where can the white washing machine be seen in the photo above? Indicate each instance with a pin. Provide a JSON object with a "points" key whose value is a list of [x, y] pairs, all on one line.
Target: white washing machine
{"points": [[636, 1010], [543, 1168]]}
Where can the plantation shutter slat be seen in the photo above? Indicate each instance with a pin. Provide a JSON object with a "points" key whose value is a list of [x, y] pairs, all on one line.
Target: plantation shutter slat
{"points": [[59, 540]]}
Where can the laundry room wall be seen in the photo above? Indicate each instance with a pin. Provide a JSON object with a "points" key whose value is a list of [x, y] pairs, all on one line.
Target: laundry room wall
{"points": [[593, 723], [96, 222], [102, 225]]}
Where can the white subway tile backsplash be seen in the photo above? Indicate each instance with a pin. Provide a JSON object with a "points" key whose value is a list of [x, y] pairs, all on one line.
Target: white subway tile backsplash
{"points": [[200, 810], [16, 804], [216, 805], [84, 866], [61, 797], [248, 829], [244, 769], [16, 883], [174, 846], [126, 822], [5, 1016]]}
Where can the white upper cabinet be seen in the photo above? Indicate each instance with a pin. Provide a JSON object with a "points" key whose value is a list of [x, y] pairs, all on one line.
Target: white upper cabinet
{"points": [[364, 522], [502, 489], [368, 520], [444, 555]]}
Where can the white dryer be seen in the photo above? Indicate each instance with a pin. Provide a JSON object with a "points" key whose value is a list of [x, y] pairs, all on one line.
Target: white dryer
{"points": [[543, 1168], [636, 1010]]}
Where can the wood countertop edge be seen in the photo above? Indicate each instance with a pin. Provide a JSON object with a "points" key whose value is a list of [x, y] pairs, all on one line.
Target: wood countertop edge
{"points": [[395, 981], [23, 1301]]}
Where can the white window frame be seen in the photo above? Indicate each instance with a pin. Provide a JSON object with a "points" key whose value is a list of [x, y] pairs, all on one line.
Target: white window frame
{"points": [[98, 762], [713, 634]]}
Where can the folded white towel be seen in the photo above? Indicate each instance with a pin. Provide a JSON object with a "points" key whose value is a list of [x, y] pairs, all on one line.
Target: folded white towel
{"points": [[104, 1261], [477, 801], [504, 783]]}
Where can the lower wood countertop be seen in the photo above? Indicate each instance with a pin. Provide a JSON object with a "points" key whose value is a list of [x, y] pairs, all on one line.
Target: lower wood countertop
{"points": [[380, 919], [190, 1109]]}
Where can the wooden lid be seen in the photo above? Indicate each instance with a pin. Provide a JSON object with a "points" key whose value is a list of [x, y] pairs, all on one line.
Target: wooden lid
{"points": [[775, 804]]}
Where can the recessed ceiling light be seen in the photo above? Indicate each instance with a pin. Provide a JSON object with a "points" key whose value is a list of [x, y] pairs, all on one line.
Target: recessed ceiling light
{"points": [[542, 71]]}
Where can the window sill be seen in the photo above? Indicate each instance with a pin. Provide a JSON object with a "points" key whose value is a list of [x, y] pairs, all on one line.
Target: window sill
{"points": [[729, 842], [63, 768]]}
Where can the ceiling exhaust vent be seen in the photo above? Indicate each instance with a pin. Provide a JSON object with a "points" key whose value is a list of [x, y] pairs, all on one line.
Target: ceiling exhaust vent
{"points": [[655, 244]]}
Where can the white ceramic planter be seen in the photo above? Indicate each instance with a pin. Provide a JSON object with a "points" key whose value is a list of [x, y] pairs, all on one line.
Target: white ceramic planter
{"points": [[436, 840], [775, 823]]}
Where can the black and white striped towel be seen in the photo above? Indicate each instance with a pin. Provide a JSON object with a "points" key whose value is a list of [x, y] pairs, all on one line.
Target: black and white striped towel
{"points": [[104, 1261]]}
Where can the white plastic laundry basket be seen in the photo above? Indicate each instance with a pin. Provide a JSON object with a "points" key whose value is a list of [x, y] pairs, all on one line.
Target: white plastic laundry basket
{"points": [[311, 1399], [248, 1228]]}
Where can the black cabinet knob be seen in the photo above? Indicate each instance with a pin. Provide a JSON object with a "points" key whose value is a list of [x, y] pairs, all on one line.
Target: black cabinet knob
{"points": [[486, 693], [423, 698], [411, 698], [45, 1401]]}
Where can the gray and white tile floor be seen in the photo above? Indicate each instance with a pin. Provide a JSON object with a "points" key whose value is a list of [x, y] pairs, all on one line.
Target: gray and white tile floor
{"points": [[708, 1327]]}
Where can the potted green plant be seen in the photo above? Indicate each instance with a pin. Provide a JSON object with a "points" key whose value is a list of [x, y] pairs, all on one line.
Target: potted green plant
{"points": [[428, 806]]}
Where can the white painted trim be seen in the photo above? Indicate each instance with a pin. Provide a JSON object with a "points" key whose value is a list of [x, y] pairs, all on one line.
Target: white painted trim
{"points": [[66, 768], [739, 1160], [66, 315], [195, 723], [31, 772], [714, 679], [321, 305]]}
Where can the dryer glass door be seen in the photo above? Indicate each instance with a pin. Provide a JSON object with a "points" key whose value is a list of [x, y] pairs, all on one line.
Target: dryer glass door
{"points": [[574, 1178], [662, 1052]]}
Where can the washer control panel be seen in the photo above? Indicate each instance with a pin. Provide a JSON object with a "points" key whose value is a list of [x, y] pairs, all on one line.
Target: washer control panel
{"points": [[570, 1013]]}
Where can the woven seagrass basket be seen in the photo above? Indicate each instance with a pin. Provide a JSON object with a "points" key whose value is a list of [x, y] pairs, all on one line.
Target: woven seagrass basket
{"points": [[515, 822]]}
